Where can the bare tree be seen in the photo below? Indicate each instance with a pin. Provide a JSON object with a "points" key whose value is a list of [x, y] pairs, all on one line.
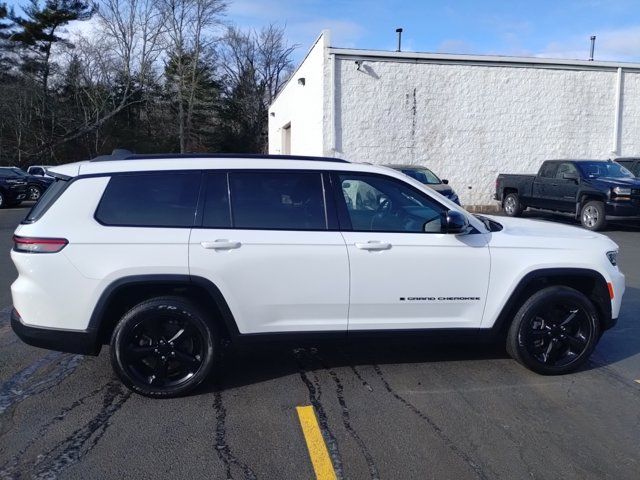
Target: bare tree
{"points": [[191, 27]]}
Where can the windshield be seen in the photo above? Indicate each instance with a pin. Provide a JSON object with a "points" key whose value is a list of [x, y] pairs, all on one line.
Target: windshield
{"points": [[423, 175], [603, 169]]}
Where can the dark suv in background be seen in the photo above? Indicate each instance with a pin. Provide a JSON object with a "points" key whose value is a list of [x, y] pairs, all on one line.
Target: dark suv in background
{"points": [[13, 188], [630, 163], [36, 184]]}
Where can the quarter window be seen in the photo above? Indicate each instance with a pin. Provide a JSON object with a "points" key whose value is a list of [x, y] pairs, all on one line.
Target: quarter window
{"points": [[380, 204], [277, 200], [150, 200]]}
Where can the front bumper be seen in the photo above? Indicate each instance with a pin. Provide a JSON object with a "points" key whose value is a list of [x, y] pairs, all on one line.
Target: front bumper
{"points": [[71, 341], [628, 208]]}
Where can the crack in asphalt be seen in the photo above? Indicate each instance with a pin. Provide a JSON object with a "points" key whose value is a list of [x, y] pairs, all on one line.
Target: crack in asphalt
{"points": [[77, 445], [14, 467], [436, 428], [346, 416], [54, 366], [225, 453], [315, 394]]}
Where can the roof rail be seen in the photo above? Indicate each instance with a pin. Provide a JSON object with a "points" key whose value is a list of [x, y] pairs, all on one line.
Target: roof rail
{"points": [[121, 154]]}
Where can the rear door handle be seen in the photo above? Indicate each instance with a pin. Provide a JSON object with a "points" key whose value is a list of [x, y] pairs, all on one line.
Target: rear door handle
{"points": [[221, 245], [373, 245]]}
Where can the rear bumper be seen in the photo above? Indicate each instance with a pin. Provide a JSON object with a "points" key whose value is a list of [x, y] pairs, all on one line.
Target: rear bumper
{"points": [[71, 341]]}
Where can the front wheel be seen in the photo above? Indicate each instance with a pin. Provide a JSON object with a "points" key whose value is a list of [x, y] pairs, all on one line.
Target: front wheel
{"points": [[555, 331], [512, 206], [163, 347], [592, 216], [34, 192]]}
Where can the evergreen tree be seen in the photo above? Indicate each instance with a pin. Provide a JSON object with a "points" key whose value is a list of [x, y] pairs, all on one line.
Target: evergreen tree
{"points": [[39, 31]]}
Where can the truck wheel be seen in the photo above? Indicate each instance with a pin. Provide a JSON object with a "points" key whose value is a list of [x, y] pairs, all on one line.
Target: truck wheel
{"points": [[554, 331], [512, 205], [164, 347], [2, 201], [592, 216]]}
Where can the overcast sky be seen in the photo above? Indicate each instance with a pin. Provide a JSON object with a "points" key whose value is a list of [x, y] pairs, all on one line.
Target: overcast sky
{"points": [[542, 28]]}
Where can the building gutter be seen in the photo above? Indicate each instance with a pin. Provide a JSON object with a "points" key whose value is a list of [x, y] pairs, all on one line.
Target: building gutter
{"points": [[617, 121]]}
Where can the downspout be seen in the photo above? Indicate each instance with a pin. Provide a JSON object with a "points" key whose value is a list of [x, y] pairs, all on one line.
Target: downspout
{"points": [[332, 103], [617, 121]]}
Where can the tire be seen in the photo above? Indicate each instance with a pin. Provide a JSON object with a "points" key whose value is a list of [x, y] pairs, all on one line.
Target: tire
{"points": [[554, 331], [592, 216], [511, 205], [164, 347], [3, 203], [34, 193]]}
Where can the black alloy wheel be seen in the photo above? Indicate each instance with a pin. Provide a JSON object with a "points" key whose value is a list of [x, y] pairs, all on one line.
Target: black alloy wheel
{"points": [[554, 331], [163, 347]]}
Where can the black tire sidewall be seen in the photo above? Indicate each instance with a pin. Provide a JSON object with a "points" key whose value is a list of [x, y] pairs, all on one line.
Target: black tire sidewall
{"points": [[518, 350], [602, 221], [185, 310], [3, 202]]}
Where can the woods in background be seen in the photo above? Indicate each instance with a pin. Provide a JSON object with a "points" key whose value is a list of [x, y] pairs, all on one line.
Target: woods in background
{"points": [[148, 75]]}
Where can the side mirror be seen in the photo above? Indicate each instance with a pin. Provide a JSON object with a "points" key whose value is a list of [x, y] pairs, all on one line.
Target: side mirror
{"points": [[570, 176], [445, 181], [455, 222]]}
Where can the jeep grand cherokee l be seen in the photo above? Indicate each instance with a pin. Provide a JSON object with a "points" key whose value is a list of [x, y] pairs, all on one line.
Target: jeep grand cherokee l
{"points": [[165, 258]]}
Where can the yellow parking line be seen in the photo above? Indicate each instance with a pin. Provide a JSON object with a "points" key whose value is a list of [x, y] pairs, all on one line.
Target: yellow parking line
{"points": [[318, 452]]}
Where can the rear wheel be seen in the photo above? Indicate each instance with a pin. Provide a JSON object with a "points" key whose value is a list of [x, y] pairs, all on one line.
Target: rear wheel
{"points": [[2, 201], [592, 215], [164, 347], [555, 331], [512, 206]]}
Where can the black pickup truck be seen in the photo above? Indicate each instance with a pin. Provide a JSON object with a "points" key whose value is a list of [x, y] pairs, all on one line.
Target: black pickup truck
{"points": [[593, 190]]}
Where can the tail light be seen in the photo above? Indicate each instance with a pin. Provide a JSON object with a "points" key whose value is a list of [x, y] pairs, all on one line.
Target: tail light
{"points": [[38, 245]]}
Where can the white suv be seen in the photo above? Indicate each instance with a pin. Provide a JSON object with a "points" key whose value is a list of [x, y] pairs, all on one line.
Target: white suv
{"points": [[165, 256]]}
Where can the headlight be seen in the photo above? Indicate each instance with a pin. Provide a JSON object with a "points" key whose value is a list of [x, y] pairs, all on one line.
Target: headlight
{"points": [[621, 191], [613, 257]]}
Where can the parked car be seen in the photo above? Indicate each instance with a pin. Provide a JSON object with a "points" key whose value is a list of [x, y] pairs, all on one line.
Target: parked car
{"points": [[630, 163], [428, 178], [36, 185], [13, 188], [38, 170], [169, 257], [593, 190]]}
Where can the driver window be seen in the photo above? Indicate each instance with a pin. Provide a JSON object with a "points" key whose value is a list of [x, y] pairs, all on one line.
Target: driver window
{"points": [[378, 204]]}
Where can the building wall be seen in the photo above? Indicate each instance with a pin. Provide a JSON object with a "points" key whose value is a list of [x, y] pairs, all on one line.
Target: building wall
{"points": [[301, 106], [630, 118], [470, 122]]}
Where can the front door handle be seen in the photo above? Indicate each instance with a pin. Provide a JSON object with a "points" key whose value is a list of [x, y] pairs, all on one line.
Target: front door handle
{"points": [[373, 245], [221, 245]]}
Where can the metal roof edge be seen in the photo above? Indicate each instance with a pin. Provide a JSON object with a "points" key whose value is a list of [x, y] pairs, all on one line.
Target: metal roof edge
{"points": [[384, 55]]}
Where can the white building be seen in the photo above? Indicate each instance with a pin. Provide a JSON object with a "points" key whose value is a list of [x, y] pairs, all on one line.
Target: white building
{"points": [[467, 117]]}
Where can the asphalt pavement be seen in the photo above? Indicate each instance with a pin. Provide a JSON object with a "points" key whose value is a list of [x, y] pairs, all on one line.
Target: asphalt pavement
{"points": [[388, 410]]}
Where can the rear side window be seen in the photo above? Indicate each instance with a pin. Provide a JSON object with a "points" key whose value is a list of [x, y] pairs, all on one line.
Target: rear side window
{"points": [[548, 170], [47, 199], [216, 201], [150, 200], [277, 200]]}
